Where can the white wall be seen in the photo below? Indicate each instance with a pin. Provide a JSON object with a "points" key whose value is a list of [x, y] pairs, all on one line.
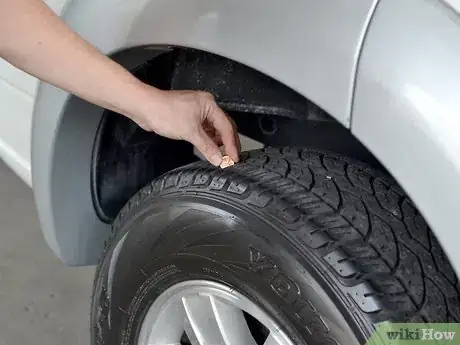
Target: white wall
{"points": [[17, 92]]}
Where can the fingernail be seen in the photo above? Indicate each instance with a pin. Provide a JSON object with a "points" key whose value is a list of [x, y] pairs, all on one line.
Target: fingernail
{"points": [[216, 160]]}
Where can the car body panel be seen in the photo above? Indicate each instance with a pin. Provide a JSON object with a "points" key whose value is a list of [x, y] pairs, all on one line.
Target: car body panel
{"points": [[454, 4], [312, 47], [407, 107]]}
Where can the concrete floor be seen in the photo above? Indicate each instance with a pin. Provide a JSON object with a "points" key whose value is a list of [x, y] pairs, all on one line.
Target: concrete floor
{"points": [[42, 302]]}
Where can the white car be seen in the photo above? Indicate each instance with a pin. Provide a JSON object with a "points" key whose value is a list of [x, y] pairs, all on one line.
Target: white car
{"points": [[347, 217]]}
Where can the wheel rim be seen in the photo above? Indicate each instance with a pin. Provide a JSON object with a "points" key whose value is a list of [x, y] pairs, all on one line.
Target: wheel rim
{"points": [[208, 313]]}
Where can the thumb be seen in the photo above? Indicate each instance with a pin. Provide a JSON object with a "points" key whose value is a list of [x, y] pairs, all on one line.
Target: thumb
{"points": [[207, 147]]}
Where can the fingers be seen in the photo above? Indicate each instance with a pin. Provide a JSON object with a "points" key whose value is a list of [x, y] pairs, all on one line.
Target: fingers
{"points": [[217, 140], [211, 132], [207, 147], [237, 138], [226, 130]]}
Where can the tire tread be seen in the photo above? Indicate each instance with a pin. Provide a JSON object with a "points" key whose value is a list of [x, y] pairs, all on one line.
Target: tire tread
{"points": [[357, 220]]}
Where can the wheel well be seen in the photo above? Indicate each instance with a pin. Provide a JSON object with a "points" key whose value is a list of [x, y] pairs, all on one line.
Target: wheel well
{"points": [[125, 158]]}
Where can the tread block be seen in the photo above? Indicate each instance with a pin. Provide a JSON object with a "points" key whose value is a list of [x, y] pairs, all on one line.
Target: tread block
{"points": [[237, 187], [201, 179], [340, 263]]}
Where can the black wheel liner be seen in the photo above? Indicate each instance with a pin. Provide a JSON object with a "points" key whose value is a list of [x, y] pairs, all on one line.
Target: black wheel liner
{"points": [[377, 257]]}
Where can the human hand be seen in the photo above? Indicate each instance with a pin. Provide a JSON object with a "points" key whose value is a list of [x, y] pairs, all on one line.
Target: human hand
{"points": [[193, 116]]}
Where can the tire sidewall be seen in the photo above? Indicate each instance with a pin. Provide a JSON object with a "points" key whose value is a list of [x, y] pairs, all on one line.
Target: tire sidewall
{"points": [[261, 264]]}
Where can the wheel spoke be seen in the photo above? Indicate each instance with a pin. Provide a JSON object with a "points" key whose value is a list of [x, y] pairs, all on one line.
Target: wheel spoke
{"points": [[232, 324], [190, 333], [168, 327], [276, 339], [202, 320], [207, 320]]}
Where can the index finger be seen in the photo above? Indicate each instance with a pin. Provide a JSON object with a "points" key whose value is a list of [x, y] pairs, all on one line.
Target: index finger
{"points": [[226, 128]]}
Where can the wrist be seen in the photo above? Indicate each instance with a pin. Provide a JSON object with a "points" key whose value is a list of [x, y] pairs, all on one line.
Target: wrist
{"points": [[147, 101]]}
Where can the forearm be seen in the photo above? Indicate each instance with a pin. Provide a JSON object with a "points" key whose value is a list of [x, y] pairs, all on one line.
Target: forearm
{"points": [[35, 40]]}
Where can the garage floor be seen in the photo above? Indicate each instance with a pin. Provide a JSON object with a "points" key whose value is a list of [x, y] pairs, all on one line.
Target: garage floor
{"points": [[42, 302]]}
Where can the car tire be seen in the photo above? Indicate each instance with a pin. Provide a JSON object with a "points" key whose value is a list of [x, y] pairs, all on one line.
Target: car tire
{"points": [[327, 247]]}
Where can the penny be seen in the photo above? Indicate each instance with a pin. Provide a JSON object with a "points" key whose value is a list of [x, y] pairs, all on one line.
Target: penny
{"points": [[226, 162]]}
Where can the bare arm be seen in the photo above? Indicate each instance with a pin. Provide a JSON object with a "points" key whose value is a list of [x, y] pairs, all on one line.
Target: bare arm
{"points": [[34, 39]]}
